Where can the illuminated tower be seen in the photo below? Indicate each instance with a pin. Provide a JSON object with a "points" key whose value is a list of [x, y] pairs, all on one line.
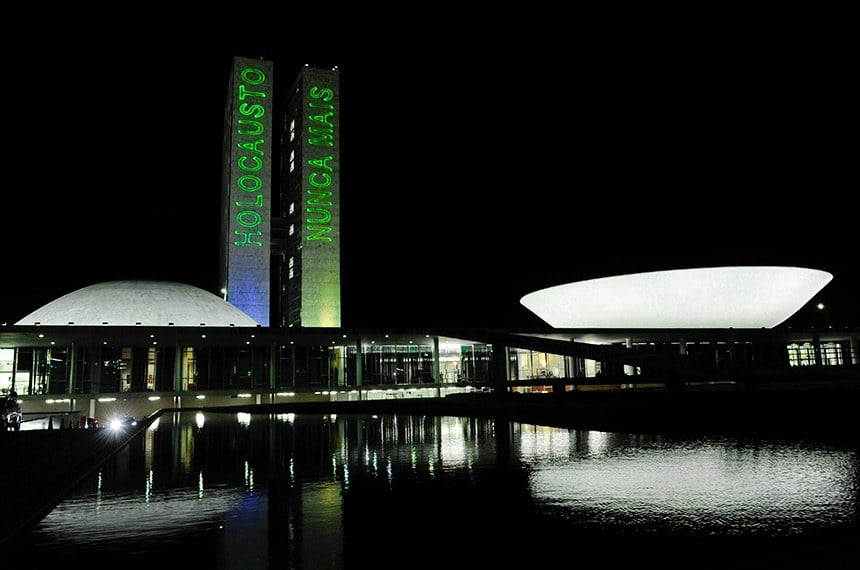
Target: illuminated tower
{"points": [[247, 189], [309, 278]]}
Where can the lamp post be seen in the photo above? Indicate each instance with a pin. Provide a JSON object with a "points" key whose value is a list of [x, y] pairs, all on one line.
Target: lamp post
{"points": [[823, 307]]}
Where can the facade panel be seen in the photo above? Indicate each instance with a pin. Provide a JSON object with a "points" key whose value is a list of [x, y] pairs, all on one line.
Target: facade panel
{"points": [[246, 214], [312, 284]]}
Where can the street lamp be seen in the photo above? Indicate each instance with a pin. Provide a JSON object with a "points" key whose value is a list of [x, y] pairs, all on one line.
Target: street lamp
{"points": [[823, 307]]}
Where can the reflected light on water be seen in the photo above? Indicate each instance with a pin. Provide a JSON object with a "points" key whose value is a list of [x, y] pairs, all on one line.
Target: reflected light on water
{"points": [[249, 477], [319, 491], [452, 443], [663, 484], [289, 418], [117, 517]]}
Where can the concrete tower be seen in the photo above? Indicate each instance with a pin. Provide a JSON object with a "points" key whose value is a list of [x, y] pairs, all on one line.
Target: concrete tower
{"points": [[245, 273], [310, 284]]}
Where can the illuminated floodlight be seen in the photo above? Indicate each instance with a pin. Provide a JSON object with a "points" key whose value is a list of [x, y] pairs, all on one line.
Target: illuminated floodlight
{"points": [[711, 297]]}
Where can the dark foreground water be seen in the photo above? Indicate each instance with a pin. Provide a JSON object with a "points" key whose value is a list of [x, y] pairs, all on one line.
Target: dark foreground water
{"points": [[217, 490]]}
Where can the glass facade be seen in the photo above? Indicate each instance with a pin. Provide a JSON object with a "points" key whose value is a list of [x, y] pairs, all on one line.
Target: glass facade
{"points": [[422, 361]]}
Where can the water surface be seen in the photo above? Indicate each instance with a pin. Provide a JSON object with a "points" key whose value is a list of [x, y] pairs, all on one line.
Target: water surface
{"points": [[227, 490]]}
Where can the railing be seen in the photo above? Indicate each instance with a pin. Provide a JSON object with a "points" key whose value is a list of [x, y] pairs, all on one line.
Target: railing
{"points": [[57, 420]]}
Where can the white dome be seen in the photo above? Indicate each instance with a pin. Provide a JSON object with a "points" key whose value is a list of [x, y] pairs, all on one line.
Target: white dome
{"points": [[712, 297], [148, 303]]}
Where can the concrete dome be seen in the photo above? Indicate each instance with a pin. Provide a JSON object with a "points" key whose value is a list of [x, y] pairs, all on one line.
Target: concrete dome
{"points": [[148, 303], [710, 297]]}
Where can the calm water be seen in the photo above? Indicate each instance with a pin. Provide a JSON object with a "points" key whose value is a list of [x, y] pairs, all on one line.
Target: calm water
{"points": [[221, 490]]}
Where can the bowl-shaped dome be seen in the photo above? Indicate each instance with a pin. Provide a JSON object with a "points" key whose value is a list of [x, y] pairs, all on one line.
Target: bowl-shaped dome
{"points": [[712, 297], [148, 303]]}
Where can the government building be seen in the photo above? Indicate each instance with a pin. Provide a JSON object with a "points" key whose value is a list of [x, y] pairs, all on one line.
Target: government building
{"points": [[272, 333]]}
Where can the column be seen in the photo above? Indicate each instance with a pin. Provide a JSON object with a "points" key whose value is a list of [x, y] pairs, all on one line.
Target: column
{"points": [[816, 345], [855, 357], [177, 368], [499, 365], [358, 362], [437, 377], [73, 361]]}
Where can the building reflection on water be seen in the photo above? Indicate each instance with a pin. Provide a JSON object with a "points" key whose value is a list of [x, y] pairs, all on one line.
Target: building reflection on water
{"points": [[310, 491]]}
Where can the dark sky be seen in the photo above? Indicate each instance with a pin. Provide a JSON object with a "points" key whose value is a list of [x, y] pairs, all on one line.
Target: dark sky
{"points": [[471, 176]]}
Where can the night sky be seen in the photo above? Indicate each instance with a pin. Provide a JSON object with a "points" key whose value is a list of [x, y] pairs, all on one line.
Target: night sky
{"points": [[469, 176]]}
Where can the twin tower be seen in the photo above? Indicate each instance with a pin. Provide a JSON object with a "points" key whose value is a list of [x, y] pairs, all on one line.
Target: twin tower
{"points": [[280, 220]]}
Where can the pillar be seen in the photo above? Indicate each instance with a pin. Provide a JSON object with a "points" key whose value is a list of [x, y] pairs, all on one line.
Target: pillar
{"points": [[359, 359], [500, 370], [73, 361], [629, 369], [274, 357], [177, 368], [816, 345], [437, 376], [855, 357]]}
